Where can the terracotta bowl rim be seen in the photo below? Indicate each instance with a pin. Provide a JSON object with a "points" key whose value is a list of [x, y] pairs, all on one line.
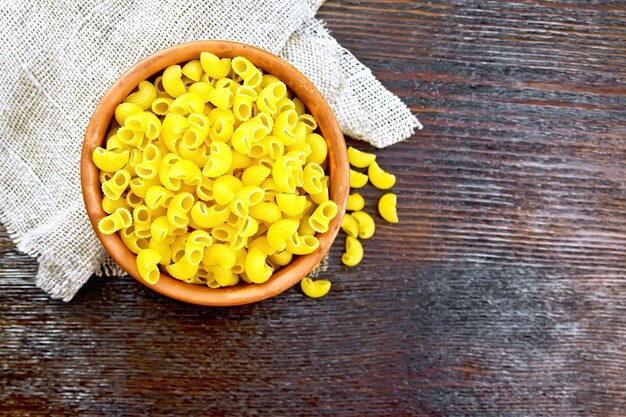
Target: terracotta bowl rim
{"points": [[242, 293]]}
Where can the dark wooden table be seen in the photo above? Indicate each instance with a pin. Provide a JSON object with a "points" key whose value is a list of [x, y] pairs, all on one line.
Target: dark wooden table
{"points": [[501, 293]]}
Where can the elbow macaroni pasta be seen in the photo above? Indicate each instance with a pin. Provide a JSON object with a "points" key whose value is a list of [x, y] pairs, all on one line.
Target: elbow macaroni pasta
{"points": [[214, 173]]}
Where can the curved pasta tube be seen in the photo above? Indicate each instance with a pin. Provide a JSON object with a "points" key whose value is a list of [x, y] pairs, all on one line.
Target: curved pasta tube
{"points": [[367, 227], [360, 159], [142, 219], [350, 225], [158, 196], [255, 175], [162, 248], [202, 89], [387, 207], [284, 127], [291, 204], [240, 161], [161, 106], [281, 258], [223, 277], [323, 196], [302, 245], [319, 148], [188, 103], [177, 247], [242, 108], [195, 246], [182, 270], [144, 96], [173, 128], [248, 133], [265, 119], [322, 216], [356, 202], [192, 69], [299, 106], [222, 98], [354, 252], [172, 81], [132, 138], [279, 232], [158, 84], [123, 110], [219, 254], [225, 188], [186, 171], [109, 160], [114, 187], [140, 186], [220, 160], [312, 181], [148, 265], [357, 180], [249, 227], [213, 66], [198, 156], [132, 241], [379, 178], [179, 208], [246, 92], [109, 205], [266, 212], [270, 95], [224, 233], [204, 190], [119, 219], [221, 131], [309, 121], [148, 168], [261, 244], [167, 162], [247, 71], [257, 269], [315, 289], [161, 228], [132, 199], [246, 197], [282, 174]]}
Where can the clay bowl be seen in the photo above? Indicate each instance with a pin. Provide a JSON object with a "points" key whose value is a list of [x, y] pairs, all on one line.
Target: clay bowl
{"points": [[338, 170]]}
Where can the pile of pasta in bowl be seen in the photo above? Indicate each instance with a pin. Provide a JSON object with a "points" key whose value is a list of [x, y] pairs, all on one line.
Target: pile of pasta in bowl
{"points": [[214, 172]]}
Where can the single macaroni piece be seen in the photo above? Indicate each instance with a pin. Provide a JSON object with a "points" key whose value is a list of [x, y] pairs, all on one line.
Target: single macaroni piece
{"points": [[119, 219], [147, 265], [387, 207], [357, 179], [144, 96], [172, 81], [257, 269], [110, 160], [360, 159], [323, 214], [215, 171], [356, 202], [354, 252], [379, 178], [350, 225], [367, 226], [315, 289]]}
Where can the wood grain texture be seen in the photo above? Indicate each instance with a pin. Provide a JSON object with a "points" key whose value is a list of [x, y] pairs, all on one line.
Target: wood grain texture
{"points": [[501, 292]]}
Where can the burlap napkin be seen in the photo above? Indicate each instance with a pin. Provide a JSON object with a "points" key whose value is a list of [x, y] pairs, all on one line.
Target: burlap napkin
{"points": [[58, 58]]}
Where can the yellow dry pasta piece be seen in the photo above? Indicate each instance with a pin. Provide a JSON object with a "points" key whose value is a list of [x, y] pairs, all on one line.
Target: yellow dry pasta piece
{"points": [[193, 70], [188, 103], [270, 96], [225, 188], [222, 98], [161, 228], [354, 252], [178, 209], [240, 161], [255, 175], [323, 214], [291, 204], [284, 127], [356, 202], [162, 248], [119, 219], [281, 258], [172, 81], [247, 71], [132, 241], [114, 187], [312, 181], [186, 171], [140, 186], [144, 96], [246, 197], [360, 159], [387, 207], [167, 162], [257, 269], [110, 160], [148, 168], [279, 232], [142, 219], [357, 179], [147, 265], [182, 270], [202, 89], [213, 66], [266, 212], [323, 196], [367, 226], [350, 225], [224, 233], [302, 245], [315, 289], [157, 196], [123, 110], [132, 199], [161, 106], [204, 190], [309, 122], [223, 277], [195, 246], [173, 127], [261, 244], [220, 160], [109, 205], [249, 227], [380, 178]]}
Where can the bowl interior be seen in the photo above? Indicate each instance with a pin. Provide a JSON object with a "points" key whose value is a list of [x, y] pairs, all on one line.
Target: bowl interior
{"points": [[338, 170]]}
